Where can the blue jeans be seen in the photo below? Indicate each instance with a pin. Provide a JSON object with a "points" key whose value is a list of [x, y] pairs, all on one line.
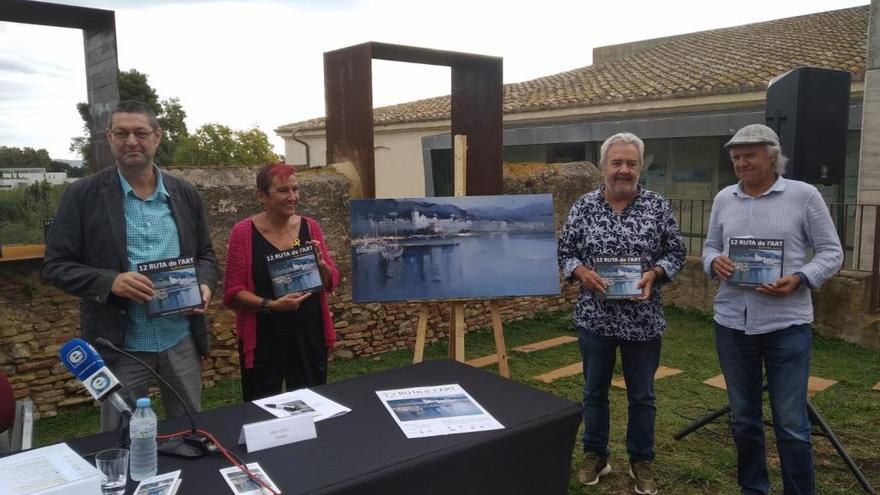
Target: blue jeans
{"points": [[786, 356], [640, 361]]}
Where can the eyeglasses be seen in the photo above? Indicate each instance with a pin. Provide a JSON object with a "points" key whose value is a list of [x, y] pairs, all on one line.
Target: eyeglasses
{"points": [[122, 134]]}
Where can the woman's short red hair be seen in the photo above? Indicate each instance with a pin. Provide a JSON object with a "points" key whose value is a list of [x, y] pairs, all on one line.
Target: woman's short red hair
{"points": [[269, 172]]}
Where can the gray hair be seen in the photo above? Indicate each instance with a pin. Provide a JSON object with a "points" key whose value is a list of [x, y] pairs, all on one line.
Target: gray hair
{"points": [[134, 106], [622, 138], [779, 159]]}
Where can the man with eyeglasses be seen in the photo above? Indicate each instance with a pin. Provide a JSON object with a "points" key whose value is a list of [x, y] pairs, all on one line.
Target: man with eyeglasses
{"points": [[106, 224]]}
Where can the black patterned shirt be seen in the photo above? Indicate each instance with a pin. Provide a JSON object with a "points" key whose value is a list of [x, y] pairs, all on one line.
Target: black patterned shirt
{"points": [[645, 228]]}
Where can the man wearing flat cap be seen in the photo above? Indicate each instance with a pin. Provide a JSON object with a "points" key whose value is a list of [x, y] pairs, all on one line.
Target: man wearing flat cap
{"points": [[762, 232]]}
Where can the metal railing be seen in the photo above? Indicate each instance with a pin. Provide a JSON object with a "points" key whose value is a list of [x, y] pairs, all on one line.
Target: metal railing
{"points": [[856, 226]]}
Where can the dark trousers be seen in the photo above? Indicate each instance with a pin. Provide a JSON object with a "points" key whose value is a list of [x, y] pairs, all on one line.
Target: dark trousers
{"points": [[181, 366], [640, 361], [786, 356], [284, 359]]}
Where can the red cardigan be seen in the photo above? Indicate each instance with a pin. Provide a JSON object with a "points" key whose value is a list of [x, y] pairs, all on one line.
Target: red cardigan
{"points": [[238, 278]]}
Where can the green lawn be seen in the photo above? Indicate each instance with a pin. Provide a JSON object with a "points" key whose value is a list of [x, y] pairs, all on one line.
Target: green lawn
{"points": [[702, 463]]}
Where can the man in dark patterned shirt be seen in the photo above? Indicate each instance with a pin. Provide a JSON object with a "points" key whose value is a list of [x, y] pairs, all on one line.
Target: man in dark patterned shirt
{"points": [[620, 219]]}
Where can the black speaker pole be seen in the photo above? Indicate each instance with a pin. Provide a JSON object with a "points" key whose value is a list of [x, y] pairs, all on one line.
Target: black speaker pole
{"points": [[817, 420], [701, 422]]}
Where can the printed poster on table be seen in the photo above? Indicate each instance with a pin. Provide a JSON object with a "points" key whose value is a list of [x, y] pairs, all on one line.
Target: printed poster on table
{"points": [[436, 410]]}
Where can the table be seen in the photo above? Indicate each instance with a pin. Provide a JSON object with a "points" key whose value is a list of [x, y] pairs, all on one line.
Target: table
{"points": [[364, 451]]}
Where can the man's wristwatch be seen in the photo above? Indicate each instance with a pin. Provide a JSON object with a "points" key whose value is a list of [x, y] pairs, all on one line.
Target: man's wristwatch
{"points": [[264, 306]]}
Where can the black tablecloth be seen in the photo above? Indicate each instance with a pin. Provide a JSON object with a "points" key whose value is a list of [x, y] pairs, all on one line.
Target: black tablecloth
{"points": [[364, 451]]}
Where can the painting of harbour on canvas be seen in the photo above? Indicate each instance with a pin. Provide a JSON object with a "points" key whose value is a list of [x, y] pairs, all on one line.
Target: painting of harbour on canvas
{"points": [[453, 248]]}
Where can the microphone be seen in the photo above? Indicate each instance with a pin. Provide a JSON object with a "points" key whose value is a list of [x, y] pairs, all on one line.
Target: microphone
{"points": [[190, 445], [86, 364]]}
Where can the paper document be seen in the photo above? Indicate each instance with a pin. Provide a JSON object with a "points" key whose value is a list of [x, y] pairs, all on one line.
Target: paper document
{"points": [[302, 401], [436, 410], [161, 484], [52, 470], [241, 484]]}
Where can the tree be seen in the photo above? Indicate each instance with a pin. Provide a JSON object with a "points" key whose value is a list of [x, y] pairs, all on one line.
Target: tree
{"points": [[134, 85], [11, 157], [217, 144], [58, 166], [172, 120]]}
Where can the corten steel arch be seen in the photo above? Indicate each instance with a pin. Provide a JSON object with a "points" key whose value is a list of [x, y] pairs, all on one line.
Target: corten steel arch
{"points": [[476, 108], [99, 40]]}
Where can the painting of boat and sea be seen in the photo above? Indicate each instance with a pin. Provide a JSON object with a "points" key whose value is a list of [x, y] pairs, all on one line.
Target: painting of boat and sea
{"points": [[421, 249]]}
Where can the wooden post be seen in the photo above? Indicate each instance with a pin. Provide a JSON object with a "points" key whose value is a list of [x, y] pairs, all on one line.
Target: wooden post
{"points": [[421, 330], [456, 324], [500, 346], [456, 332], [460, 165]]}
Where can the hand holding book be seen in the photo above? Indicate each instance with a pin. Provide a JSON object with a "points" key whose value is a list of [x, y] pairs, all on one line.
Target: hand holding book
{"points": [[323, 267], [134, 286], [289, 302], [781, 287], [206, 298], [647, 282], [590, 279], [722, 267]]}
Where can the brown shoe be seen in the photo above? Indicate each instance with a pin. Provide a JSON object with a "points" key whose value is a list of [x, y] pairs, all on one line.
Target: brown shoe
{"points": [[594, 467], [640, 471]]}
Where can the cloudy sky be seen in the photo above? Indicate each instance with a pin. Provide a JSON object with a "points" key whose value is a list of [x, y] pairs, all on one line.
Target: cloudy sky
{"points": [[260, 62]]}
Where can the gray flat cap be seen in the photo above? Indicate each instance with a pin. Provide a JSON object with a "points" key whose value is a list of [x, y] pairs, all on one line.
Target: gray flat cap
{"points": [[754, 134]]}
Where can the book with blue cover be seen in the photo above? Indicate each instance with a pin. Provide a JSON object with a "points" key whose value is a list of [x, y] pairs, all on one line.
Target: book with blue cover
{"points": [[755, 261], [622, 273], [294, 270], [176, 286]]}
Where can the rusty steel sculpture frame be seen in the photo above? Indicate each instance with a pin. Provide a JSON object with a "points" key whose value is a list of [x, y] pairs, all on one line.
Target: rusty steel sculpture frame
{"points": [[99, 44], [476, 105]]}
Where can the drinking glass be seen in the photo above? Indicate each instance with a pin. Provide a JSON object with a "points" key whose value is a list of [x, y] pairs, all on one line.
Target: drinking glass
{"points": [[113, 466]]}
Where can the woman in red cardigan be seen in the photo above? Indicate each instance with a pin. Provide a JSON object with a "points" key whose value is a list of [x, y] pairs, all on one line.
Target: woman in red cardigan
{"points": [[282, 341]]}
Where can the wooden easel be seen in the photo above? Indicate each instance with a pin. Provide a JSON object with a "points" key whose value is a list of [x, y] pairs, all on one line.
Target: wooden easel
{"points": [[457, 323]]}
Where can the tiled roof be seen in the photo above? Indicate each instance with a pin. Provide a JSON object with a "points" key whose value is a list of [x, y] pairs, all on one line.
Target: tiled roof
{"points": [[722, 61]]}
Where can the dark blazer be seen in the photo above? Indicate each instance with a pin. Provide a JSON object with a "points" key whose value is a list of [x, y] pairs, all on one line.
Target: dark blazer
{"points": [[86, 250]]}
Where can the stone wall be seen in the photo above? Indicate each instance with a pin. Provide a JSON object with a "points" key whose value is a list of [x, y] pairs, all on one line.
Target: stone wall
{"points": [[37, 319], [840, 306]]}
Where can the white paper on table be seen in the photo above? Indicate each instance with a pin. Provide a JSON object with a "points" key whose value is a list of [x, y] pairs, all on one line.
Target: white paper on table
{"points": [[51, 470], [161, 484], [303, 401], [436, 410], [241, 484]]}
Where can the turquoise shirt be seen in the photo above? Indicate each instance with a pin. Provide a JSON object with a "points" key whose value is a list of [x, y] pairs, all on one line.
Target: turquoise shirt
{"points": [[150, 234]]}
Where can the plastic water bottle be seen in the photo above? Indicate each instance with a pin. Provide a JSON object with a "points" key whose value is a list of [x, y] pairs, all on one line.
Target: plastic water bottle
{"points": [[142, 454]]}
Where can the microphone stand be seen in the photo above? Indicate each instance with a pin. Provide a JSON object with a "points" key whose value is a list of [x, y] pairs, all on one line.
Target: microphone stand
{"points": [[124, 420], [192, 445]]}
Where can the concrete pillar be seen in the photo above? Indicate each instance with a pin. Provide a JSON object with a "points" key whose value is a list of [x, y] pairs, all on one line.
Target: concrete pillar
{"points": [[869, 156]]}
